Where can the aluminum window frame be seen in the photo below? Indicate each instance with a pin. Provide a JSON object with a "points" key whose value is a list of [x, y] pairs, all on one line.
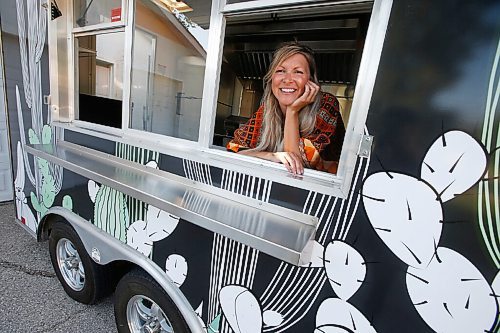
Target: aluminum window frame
{"points": [[202, 150], [338, 184]]}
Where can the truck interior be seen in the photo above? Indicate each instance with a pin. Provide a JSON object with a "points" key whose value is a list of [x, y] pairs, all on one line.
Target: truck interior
{"points": [[336, 35]]}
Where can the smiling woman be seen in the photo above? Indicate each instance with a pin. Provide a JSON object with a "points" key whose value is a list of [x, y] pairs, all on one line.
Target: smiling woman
{"points": [[296, 124]]}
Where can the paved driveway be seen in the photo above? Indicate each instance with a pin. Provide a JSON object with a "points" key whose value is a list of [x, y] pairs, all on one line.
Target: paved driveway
{"points": [[31, 298]]}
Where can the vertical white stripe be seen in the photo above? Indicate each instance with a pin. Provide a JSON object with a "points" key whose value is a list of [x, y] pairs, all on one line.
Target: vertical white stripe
{"points": [[312, 203], [252, 188], [223, 179]]}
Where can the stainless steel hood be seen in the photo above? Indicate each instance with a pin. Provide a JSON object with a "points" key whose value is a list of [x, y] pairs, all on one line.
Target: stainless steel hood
{"points": [[336, 40], [335, 30]]}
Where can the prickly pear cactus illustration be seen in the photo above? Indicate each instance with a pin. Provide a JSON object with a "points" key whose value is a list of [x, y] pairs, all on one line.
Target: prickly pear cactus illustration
{"points": [[453, 164], [406, 215], [451, 295], [158, 225], [336, 315], [446, 289], [241, 309], [345, 269], [176, 268]]}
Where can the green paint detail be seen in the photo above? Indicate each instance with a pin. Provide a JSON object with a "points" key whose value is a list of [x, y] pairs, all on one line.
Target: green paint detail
{"points": [[482, 225], [489, 228], [46, 134], [214, 326], [67, 202], [111, 212], [32, 137], [496, 197], [47, 193]]}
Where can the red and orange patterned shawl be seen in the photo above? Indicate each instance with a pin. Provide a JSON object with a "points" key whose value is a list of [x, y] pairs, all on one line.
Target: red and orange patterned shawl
{"points": [[320, 149]]}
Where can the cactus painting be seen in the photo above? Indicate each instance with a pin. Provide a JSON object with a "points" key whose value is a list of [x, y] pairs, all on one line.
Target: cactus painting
{"points": [[446, 289], [23, 212], [110, 210], [45, 177]]}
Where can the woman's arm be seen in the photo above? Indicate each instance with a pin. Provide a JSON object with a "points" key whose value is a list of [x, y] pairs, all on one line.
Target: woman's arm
{"points": [[291, 132], [291, 161]]}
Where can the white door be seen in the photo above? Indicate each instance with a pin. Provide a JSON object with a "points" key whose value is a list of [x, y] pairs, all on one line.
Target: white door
{"points": [[6, 183]]}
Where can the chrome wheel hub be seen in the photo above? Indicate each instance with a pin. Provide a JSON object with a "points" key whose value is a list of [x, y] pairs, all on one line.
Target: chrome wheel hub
{"points": [[70, 264], [145, 316]]}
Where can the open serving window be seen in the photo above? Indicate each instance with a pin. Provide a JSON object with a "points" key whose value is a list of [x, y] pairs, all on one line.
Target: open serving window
{"points": [[180, 76]]}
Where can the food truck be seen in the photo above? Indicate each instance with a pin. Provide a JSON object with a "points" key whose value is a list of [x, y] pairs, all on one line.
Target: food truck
{"points": [[118, 117]]}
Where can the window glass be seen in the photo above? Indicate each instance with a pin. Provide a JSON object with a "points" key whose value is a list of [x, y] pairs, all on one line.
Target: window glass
{"points": [[90, 12], [100, 78], [337, 39], [168, 65]]}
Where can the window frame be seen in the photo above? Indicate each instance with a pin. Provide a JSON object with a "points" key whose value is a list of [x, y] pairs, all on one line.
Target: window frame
{"points": [[202, 150]]}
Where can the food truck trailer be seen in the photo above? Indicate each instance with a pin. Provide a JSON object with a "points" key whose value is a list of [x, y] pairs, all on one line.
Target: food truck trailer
{"points": [[118, 115]]}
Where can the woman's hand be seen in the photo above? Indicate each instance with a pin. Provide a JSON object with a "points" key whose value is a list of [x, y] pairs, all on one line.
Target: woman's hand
{"points": [[291, 161], [311, 89]]}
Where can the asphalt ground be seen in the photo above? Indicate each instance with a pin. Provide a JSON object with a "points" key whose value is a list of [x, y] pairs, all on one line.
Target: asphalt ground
{"points": [[31, 297]]}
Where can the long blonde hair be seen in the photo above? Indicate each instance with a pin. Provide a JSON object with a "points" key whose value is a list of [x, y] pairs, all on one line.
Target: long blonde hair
{"points": [[271, 138]]}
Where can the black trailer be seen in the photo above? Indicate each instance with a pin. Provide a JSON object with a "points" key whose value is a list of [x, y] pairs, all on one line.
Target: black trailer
{"points": [[119, 115]]}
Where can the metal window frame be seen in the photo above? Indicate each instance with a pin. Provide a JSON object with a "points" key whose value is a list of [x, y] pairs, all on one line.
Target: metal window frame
{"points": [[201, 150]]}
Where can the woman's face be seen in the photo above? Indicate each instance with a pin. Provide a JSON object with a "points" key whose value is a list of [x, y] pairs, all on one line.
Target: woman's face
{"points": [[289, 79]]}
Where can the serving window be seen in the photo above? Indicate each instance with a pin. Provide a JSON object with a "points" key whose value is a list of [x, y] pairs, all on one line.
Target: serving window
{"points": [[337, 40], [182, 76]]}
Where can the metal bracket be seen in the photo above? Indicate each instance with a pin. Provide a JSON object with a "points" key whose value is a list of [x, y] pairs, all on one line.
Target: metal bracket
{"points": [[46, 99], [365, 146]]}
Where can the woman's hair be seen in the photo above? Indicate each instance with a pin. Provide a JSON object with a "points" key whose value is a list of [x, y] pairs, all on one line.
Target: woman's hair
{"points": [[271, 138]]}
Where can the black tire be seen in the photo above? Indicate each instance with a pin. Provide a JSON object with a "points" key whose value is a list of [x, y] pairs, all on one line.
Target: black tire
{"points": [[82, 279], [137, 286]]}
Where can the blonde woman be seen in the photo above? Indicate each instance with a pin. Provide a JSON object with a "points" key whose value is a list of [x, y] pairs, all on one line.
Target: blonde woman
{"points": [[297, 124]]}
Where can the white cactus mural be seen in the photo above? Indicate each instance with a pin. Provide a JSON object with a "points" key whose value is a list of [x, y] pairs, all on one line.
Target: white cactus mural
{"points": [[451, 295], [406, 214], [176, 268], [23, 212], [345, 269], [241, 309], [447, 290], [45, 177], [336, 315], [453, 163], [158, 225], [137, 238]]}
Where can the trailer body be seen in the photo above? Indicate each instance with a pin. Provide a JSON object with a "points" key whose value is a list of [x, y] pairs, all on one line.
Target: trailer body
{"points": [[404, 238]]}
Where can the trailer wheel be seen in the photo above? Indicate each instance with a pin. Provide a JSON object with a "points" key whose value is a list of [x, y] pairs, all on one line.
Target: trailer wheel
{"points": [[141, 305], [82, 279]]}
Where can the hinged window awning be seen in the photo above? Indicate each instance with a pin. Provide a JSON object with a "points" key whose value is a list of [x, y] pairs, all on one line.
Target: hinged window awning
{"points": [[279, 232]]}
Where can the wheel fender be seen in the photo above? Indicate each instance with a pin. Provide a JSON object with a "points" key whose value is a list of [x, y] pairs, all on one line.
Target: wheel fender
{"points": [[104, 248]]}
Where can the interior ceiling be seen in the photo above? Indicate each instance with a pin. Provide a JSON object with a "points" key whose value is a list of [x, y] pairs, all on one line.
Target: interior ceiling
{"points": [[248, 47], [336, 33]]}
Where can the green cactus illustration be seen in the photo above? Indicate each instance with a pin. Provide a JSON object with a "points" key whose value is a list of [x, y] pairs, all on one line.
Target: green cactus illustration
{"points": [[67, 202], [111, 212], [213, 327], [47, 192], [45, 177]]}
